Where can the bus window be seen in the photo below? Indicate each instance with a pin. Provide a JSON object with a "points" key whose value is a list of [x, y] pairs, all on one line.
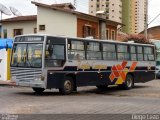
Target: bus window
{"points": [[109, 51], [35, 55], [76, 50], [122, 51], [140, 53], [148, 54], [27, 55], [93, 51], [133, 53], [55, 52]]}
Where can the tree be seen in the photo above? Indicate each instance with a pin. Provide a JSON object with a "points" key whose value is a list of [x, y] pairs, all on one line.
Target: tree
{"points": [[137, 38]]}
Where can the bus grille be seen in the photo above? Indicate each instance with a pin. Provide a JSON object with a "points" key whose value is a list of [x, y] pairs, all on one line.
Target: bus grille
{"points": [[25, 74]]}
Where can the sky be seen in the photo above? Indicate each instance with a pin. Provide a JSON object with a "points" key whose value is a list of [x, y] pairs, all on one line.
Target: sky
{"points": [[26, 8]]}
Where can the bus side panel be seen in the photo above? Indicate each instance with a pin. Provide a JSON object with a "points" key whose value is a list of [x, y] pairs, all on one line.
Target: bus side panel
{"points": [[93, 78], [105, 80], [143, 76], [87, 78], [54, 80]]}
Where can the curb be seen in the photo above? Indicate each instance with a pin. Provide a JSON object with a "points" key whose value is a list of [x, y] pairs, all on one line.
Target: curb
{"points": [[6, 83]]}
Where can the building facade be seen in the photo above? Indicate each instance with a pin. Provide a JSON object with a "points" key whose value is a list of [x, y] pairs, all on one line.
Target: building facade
{"points": [[131, 13], [59, 21], [19, 25], [64, 22], [134, 15], [111, 8]]}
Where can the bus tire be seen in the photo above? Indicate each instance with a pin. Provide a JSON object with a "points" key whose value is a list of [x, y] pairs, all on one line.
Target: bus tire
{"points": [[128, 84], [67, 86], [38, 90], [102, 87]]}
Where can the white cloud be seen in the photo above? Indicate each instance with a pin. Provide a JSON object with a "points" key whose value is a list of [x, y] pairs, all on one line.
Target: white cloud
{"points": [[153, 11]]}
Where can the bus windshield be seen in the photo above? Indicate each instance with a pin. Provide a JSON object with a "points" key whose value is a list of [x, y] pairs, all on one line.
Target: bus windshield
{"points": [[27, 55]]}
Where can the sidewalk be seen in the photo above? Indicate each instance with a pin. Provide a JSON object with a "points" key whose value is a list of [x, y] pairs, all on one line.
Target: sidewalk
{"points": [[6, 83]]}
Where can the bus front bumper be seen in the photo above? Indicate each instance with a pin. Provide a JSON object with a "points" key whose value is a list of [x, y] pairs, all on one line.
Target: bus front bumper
{"points": [[33, 83]]}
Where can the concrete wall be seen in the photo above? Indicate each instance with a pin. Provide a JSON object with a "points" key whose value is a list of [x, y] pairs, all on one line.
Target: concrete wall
{"points": [[56, 22], [3, 64], [27, 26]]}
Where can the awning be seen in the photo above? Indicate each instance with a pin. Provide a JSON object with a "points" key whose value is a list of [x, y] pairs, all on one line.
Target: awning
{"points": [[6, 43]]}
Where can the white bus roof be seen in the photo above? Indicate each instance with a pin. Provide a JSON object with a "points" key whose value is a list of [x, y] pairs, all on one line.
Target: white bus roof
{"points": [[94, 40]]}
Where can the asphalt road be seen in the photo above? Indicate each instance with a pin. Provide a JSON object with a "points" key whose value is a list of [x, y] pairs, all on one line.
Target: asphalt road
{"points": [[143, 99]]}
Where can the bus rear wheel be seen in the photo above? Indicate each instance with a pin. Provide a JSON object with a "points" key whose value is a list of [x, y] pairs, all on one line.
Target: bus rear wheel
{"points": [[67, 86], [128, 84], [38, 90]]}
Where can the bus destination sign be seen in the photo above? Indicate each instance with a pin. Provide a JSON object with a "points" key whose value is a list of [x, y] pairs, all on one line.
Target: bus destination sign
{"points": [[29, 39]]}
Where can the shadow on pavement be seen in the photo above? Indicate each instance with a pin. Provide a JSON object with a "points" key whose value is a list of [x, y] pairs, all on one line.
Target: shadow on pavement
{"points": [[111, 90]]}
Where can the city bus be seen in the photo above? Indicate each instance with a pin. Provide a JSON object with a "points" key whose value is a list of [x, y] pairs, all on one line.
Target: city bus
{"points": [[46, 62]]}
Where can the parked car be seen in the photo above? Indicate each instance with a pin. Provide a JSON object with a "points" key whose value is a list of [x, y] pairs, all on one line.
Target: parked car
{"points": [[157, 72]]}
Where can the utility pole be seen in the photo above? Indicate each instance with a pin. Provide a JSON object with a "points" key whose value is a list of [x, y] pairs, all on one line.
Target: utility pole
{"points": [[146, 21]]}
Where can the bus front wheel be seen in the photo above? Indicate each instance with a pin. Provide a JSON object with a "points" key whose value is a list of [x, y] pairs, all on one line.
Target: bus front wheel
{"points": [[66, 86], [38, 90], [128, 84]]}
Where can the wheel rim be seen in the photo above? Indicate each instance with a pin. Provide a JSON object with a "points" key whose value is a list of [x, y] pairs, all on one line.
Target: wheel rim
{"points": [[68, 85], [129, 82]]}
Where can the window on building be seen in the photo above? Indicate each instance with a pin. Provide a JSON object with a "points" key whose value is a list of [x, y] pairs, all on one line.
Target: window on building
{"points": [[113, 34], [17, 32], [5, 33], [89, 31], [107, 34], [42, 27], [35, 30]]}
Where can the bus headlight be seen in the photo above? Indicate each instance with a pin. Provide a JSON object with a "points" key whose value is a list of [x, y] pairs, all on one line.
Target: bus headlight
{"points": [[40, 78]]}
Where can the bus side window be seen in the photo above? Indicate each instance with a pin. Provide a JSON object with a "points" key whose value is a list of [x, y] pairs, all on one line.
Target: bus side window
{"points": [[109, 51], [122, 51], [133, 53], [140, 53], [76, 48], [94, 51], [148, 54]]}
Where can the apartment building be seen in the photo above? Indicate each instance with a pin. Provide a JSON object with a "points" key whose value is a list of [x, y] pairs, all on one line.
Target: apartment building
{"points": [[111, 8], [134, 15], [131, 13]]}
